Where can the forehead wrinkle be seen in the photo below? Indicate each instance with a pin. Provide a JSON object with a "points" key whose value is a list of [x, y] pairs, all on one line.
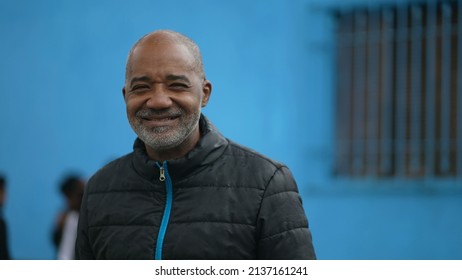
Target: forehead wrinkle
{"points": [[184, 69]]}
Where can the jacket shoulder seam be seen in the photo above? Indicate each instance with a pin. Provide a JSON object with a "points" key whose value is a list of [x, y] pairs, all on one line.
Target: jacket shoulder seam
{"points": [[285, 191], [282, 232], [251, 153]]}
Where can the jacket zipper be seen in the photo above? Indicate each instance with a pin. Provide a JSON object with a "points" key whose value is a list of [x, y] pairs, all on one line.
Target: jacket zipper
{"points": [[164, 176]]}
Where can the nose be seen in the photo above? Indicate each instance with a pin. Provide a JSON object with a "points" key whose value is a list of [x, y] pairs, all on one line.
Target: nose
{"points": [[159, 98]]}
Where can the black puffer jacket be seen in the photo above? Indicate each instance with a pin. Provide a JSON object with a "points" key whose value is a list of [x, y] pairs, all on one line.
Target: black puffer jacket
{"points": [[221, 201]]}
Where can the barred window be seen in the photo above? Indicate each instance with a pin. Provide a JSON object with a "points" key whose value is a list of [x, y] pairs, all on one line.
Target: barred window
{"points": [[399, 91]]}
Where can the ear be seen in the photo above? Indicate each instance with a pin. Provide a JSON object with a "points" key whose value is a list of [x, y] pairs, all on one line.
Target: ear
{"points": [[207, 91], [123, 92]]}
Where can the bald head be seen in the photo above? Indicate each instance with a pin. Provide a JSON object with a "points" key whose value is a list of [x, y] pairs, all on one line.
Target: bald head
{"points": [[172, 37]]}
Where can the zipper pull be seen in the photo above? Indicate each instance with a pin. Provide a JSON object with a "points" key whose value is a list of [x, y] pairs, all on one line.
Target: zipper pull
{"points": [[162, 174], [162, 170]]}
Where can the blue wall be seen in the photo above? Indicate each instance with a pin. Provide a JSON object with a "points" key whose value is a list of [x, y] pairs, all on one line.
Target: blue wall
{"points": [[270, 62]]}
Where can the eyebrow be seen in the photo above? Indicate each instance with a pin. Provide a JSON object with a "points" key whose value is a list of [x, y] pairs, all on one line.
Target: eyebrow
{"points": [[140, 79], [170, 77]]}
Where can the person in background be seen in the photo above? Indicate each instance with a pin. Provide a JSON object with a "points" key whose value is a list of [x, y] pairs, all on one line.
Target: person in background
{"points": [[186, 191], [65, 229], [4, 252]]}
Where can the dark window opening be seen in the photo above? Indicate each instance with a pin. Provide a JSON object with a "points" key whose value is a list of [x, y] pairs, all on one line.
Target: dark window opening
{"points": [[399, 91]]}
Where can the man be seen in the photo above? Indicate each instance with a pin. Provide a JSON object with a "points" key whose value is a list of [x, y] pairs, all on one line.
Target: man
{"points": [[186, 192], [4, 253], [65, 228]]}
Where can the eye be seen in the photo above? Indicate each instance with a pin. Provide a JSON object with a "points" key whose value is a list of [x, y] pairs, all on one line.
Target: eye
{"points": [[178, 86], [139, 88]]}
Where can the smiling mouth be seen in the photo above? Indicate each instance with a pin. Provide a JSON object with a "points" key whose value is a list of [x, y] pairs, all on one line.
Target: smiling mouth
{"points": [[158, 120]]}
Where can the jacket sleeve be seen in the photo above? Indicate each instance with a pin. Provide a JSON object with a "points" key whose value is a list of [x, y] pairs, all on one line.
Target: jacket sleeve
{"points": [[282, 224], [83, 249]]}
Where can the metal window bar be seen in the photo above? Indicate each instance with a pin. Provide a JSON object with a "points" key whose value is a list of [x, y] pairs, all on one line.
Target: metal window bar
{"points": [[445, 137], [430, 88], [415, 91], [344, 93], [401, 90], [386, 127], [459, 93], [359, 39], [372, 108]]}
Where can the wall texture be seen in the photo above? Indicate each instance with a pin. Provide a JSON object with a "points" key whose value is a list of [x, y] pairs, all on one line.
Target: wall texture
{"points": [[270, 62]]}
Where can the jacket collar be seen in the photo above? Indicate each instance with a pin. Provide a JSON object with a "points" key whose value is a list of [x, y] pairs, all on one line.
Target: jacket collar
{"points": [[209, 148]]}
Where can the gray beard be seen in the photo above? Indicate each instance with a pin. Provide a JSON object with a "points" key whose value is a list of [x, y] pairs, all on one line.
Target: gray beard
{"points": [[164, 138]]}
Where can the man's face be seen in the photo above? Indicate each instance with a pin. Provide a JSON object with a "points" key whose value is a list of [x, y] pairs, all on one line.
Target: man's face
{"points": [[164, 94]]}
